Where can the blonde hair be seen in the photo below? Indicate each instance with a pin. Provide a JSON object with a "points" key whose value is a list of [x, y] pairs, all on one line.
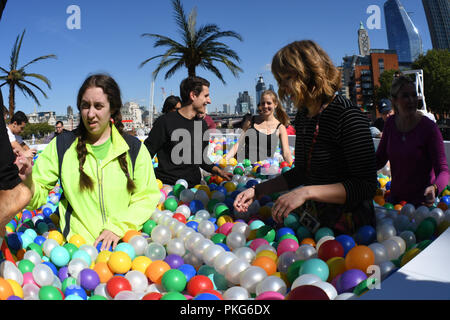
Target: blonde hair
{"points": [[306, 74], [280, 113]]}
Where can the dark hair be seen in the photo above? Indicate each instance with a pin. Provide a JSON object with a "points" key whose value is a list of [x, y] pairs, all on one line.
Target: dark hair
{"points": [[170, 103], [112, 91], [19, 117], [59, 122], [190, 84]]}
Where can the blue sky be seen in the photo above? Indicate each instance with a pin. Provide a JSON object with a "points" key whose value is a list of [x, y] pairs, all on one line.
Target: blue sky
{"points": [[110, 41]]}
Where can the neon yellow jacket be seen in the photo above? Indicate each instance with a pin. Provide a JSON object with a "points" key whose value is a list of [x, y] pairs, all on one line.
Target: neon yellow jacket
{"points": [[109, 206]]}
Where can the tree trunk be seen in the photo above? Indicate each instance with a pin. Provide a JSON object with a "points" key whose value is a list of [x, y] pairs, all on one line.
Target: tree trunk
{"points": [[11, 100], [191, 71]]}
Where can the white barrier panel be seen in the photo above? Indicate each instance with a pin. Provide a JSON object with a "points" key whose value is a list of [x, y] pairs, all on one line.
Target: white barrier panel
{"points": [[425, 277]]}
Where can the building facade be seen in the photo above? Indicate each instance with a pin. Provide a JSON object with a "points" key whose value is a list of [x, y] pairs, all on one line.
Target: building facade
{"points": [[260, 87], [363, 41], [244, 103], [402, 34], [438, 18], [131, 116]]}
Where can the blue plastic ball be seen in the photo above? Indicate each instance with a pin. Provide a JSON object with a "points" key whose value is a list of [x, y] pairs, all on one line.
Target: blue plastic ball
{"points": [[206, 296], [39, 240], [75, 290], [188, 270], [47, 211], [196, 205], [223, 245], [366, 235], [192, 224], [52, 266], [99, 245], [283, 231], [346, 241]]}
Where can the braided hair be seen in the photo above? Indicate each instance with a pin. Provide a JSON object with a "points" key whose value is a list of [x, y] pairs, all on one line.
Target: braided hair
{"points": [[112, 91]]}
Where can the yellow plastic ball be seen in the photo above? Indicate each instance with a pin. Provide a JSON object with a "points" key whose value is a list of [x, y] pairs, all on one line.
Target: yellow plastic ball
{"points": [[119, 262], [57, 236], [141, 263], [160, 184], [204, 188], [446, 193], [232, 162], [252, 235], [223, 219], [230, 186], [409, 255], [267, 253], [54, 218], [223, 163], [16, 288], [103, 256], [77, 240], [382, 182]]}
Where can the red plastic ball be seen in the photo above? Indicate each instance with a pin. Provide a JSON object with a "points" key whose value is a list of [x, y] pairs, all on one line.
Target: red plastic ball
{"points": [[307, 292], [117, 284], [152, 296], [198, 284], [180, 217], [284, 164], [330, 249]]}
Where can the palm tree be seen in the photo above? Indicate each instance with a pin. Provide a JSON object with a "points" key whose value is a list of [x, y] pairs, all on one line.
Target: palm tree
{"points": [[199, 48], [17, 76]]}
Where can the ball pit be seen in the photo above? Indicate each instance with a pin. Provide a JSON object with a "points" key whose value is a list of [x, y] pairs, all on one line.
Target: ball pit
{"points": [[194, 246]]}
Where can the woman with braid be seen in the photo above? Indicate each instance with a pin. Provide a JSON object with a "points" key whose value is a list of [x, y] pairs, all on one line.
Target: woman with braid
{"points": [[107, 194]]}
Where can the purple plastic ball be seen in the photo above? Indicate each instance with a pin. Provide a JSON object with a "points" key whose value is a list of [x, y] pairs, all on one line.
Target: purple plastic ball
{"points": [[63, 273], [14, 298], [349, 280], [174, 261], [89, 279]]}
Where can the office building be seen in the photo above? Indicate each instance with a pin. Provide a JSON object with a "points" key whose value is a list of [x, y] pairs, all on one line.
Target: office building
{"points": [[438, 18]]}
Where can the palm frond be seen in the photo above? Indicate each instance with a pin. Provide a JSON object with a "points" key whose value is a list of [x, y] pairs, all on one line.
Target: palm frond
{"points": [[25, 90], [40, 77], [163, 64], [209, 66], [175, 68], [4, 70], [15, 51], [34, 85], [49, 56]]}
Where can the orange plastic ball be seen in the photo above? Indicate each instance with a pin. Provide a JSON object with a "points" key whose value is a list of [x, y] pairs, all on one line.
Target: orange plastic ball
{"points": [[359, 257], [266, 263], [398, 207], [379, 200], [156, 270], [5, 289], [130, 234], [443, 206], [103, 271], [309, 241]]}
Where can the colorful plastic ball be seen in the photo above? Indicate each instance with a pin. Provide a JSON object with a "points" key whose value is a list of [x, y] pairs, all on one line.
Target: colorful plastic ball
{"points": [[127, 248], [25, 266], [173, 296], [81, 254], [75, 290], [266, 263], [57, 236], [60, 256], [206, 296], [148, 226], [330, 249], [287, 245], [170, 204], [365, 235], [322, 232], [349, 280], [257, 243], [119, 262], [188, 271], [49, 293], [156, 270], [307, 292], [174, 261], [192, 224], [174, 280], [180, 217], [77, 240], [425, 229], [103, 272], [359, 257], [198, 284], [5, 289], [196, 205], [88, 279], [346, 241], [117, 284], [315, 266], [152, 296]]}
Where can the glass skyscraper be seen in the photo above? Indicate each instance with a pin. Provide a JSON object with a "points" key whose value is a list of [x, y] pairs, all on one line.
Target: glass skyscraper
{"points": [[402, 34], [438, 18]]}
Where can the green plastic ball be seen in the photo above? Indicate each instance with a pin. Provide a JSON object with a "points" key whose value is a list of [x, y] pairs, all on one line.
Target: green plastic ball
{"points": [[148, 226], [171, 204], [71, 248], [221, 210], [68, 282], [211, 204], [173, 296], [323, 232], [49, 293], [266, 232], [97, 297], [177, 189], [35, 247], [247, 163], [25, 266], [218, 238], [426, 229], [174, 280], [238, 170], [288, 236], [293, 270], [302, 233], [291, 221]]}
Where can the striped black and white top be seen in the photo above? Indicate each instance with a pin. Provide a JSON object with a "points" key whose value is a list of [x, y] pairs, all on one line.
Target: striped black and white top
{"points": [[343, 153]]}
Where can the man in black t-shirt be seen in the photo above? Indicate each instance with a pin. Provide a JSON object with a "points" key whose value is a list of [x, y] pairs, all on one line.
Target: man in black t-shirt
{"points": [[181, 140], [385, 109], [14, 195]]}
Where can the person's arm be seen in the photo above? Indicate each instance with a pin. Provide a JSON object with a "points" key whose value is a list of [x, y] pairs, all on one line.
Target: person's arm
{"points": [[286, 151], [157, 137], [12, 202], [436, 150], [142, 203]]}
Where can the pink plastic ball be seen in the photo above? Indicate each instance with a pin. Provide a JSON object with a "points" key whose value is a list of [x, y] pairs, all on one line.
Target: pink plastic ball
{"points": [[257, 243], [28, 278], [287, 245], [270, 295], [226, 228]]}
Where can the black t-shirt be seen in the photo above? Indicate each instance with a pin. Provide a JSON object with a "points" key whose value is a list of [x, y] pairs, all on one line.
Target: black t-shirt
{"points": [[379, 124], [9, 177], [181, 147]]}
